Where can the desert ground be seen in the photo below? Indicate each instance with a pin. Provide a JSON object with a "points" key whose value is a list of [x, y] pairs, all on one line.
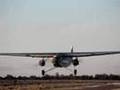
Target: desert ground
{"points": [[59, 85]]}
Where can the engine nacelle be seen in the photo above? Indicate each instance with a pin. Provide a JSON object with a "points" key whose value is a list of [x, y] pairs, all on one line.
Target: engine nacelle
{"points": [[42, 62], [75, 62]]}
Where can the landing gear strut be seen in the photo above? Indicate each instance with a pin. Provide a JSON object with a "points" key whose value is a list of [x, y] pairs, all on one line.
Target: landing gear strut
{"points": [[43, 72], [75, 63], [75, 72]]}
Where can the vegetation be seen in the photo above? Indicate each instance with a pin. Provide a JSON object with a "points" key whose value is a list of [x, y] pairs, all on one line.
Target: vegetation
{"points": [[60, 77]]}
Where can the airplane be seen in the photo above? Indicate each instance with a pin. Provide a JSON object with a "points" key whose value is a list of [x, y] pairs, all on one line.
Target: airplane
{"points": [[61, 59]]}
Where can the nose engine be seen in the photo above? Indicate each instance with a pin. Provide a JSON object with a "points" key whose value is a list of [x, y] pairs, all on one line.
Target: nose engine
{"points": [[62, 61], [65, 62]]}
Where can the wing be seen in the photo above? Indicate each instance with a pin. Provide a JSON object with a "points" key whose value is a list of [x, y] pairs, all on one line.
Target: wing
{"points": [[37, 55], [87, 54], [65, 54]]}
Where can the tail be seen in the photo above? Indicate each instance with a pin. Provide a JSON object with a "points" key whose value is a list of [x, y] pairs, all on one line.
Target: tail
{"points": [[72, 50]]}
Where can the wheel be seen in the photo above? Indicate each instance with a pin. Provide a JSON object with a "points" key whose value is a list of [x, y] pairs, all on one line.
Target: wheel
{"points": [[75, 72], [43, 72]]}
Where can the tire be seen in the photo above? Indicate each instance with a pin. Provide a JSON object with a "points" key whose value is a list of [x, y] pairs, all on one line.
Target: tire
{"points": [[75, 72], [43, 72]]}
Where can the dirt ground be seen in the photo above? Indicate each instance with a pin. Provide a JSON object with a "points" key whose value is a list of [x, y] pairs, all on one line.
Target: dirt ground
{"points": [[59, 85]]}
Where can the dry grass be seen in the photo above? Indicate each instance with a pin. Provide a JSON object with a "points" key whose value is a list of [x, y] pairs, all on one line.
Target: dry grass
{"points": [[59, 85]]}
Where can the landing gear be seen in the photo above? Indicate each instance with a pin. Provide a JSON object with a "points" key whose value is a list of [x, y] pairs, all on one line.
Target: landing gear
{"points": [[75, 72], [75, 63], [67, 62], [43, 72]]}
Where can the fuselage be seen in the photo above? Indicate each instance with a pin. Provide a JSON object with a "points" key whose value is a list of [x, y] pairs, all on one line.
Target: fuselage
{"points": [[61, 61]]}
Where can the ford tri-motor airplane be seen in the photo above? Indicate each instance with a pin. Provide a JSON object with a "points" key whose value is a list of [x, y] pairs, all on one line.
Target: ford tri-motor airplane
{"points": [[61, 59]]}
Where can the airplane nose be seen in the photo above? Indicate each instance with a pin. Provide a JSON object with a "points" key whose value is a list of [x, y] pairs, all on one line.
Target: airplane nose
{"points": [[65, 62]]}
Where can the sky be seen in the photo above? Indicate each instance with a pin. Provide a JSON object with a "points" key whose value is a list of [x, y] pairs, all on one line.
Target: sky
{"points": [[56, 25]]}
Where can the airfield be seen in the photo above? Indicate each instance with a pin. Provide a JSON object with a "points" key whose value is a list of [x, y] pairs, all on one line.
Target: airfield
{"points": [[60, 85]]}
